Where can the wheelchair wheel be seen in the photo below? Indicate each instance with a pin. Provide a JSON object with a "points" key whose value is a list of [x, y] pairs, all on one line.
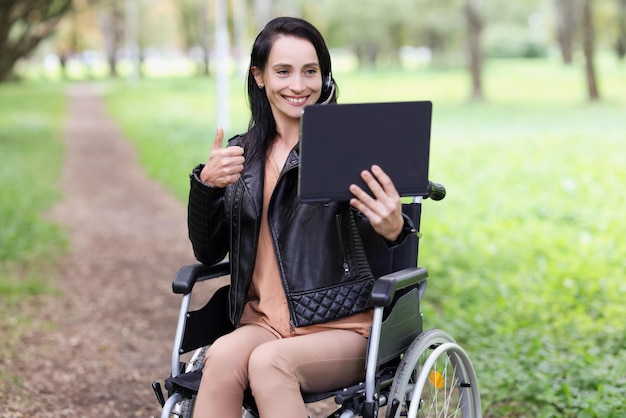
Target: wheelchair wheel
{"points": [[435, 379], [184, 409]]}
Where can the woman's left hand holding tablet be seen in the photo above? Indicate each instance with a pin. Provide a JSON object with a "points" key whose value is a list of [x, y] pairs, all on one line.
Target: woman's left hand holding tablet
{"points": [[384, 208]]}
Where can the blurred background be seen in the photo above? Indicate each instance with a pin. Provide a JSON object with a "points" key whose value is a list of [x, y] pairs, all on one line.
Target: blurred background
{"points": [[78, 39], [526, 254]]}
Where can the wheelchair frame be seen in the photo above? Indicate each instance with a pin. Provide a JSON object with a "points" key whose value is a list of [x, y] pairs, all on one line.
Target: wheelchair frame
{"points": [[408, 372]]}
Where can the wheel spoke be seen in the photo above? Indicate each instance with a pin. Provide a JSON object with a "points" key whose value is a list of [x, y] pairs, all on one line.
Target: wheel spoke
{"points": [[443, 375]]}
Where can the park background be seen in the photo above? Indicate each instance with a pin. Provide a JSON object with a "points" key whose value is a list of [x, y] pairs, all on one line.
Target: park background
{"points": [[526, 254]]}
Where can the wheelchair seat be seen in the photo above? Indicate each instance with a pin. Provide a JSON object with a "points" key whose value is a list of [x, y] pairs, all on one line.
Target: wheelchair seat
{"points": [[398, 356]]}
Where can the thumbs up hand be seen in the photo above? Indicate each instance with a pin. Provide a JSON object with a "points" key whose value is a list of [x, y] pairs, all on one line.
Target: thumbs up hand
{"points": [[224, 165]]}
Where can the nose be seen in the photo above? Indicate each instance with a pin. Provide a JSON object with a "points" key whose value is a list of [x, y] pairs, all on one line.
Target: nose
{"points": [[297, 83]]}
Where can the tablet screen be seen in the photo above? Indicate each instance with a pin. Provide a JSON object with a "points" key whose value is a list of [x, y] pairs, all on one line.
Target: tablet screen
{"points": [[338, 141]]}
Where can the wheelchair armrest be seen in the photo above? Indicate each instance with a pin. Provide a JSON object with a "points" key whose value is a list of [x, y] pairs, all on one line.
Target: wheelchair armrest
{"points": [[386, 286], [187, 276]]}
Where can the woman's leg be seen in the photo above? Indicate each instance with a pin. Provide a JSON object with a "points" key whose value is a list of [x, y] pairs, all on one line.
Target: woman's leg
{"points": [[225, 372], [316, 362]]}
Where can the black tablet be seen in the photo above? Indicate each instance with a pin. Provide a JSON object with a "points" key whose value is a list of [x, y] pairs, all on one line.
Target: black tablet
{"points": [[338, 141]]}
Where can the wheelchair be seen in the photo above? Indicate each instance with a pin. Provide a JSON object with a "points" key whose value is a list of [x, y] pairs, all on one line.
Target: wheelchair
{"points": [[409, 372]]}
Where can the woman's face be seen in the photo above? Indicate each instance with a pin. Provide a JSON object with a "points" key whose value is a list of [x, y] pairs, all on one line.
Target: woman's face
{"points": [[292, 78]]}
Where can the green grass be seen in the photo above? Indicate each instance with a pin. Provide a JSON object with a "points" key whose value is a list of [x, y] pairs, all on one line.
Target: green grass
{"points": [[526, 254], [31, 118], [528, 247]]}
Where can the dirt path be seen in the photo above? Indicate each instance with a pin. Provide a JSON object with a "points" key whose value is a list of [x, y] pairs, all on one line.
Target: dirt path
{"points": [[107, 333], [105, 337]]}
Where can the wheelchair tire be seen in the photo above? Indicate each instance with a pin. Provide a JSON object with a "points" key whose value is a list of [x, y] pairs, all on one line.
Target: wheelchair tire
{"points": [[435, 379], [184, 409]]}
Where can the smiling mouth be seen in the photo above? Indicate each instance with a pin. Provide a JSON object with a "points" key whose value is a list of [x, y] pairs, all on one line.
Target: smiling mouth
{"points": [[296, 100]]}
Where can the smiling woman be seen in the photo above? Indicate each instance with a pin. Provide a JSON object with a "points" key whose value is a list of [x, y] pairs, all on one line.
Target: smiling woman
{"points": [[291, 79], [244, 202]]}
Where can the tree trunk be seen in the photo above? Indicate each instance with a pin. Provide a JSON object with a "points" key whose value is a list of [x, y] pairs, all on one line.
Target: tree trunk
{"points": [[474, 31], [588, 48], [620, 43], [204, 38], [366, 53], [222, 55], [263, 12], [241, 36], [565, 26], [112, 31]]}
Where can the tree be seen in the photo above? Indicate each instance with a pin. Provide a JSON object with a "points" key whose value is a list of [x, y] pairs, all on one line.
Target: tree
{"points": [[371, 31], [263, 11], [620, 43], [589, 50], [77, 32], [113, 33], [565, 28], [194, 26], [240, 23], [474, 30], [23, 25]]}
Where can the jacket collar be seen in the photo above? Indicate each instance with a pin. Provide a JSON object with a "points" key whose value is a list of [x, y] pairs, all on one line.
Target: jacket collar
{"points": [[254, 174], [293, 159]]}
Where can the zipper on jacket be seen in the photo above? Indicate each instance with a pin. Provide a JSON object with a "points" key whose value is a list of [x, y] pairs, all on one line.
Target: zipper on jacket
{"points": [[342, 245]]}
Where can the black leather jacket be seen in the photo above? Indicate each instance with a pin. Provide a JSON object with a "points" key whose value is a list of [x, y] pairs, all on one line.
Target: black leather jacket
{"points": [[322, 249]]}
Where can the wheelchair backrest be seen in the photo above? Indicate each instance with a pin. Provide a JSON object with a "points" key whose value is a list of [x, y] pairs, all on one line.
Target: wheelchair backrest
{"points": [[208, 323], [402, 321], [407, 254]]}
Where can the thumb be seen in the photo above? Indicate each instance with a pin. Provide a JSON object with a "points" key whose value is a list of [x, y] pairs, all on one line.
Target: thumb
{"points": [[219, 138]]}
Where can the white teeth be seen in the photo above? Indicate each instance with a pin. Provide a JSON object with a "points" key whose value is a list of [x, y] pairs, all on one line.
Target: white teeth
{"points": [[296, 101]]}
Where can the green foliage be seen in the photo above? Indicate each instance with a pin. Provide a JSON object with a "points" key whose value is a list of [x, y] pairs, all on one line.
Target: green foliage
{"points": [[31, 156], [525, 255], [383, 27], [522, 29]]}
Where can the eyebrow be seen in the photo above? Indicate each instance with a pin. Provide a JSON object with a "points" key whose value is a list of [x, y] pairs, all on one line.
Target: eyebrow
{"points": [[311, 64]]}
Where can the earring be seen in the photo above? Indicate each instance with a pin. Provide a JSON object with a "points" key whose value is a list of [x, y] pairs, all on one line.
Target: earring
{"points": [[261, 86]]}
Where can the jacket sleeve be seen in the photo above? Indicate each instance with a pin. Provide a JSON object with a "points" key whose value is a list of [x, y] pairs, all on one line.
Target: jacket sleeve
{"points": [[208, 231], [386, 256], [373, 238]]}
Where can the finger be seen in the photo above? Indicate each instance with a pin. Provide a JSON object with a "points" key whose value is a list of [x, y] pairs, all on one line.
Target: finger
{"points": [[361, 195], [369, 212], [385, 181], [365, 203], [219, 138], [358, 204], [372, 182], [233, 151]]}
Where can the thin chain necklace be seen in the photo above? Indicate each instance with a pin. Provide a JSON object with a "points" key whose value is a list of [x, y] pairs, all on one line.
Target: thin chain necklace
{"points": [[273, 161]]}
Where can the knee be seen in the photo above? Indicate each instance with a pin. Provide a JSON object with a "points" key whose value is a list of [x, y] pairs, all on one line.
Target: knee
{"points": [[221, 361], [267, 365]]}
